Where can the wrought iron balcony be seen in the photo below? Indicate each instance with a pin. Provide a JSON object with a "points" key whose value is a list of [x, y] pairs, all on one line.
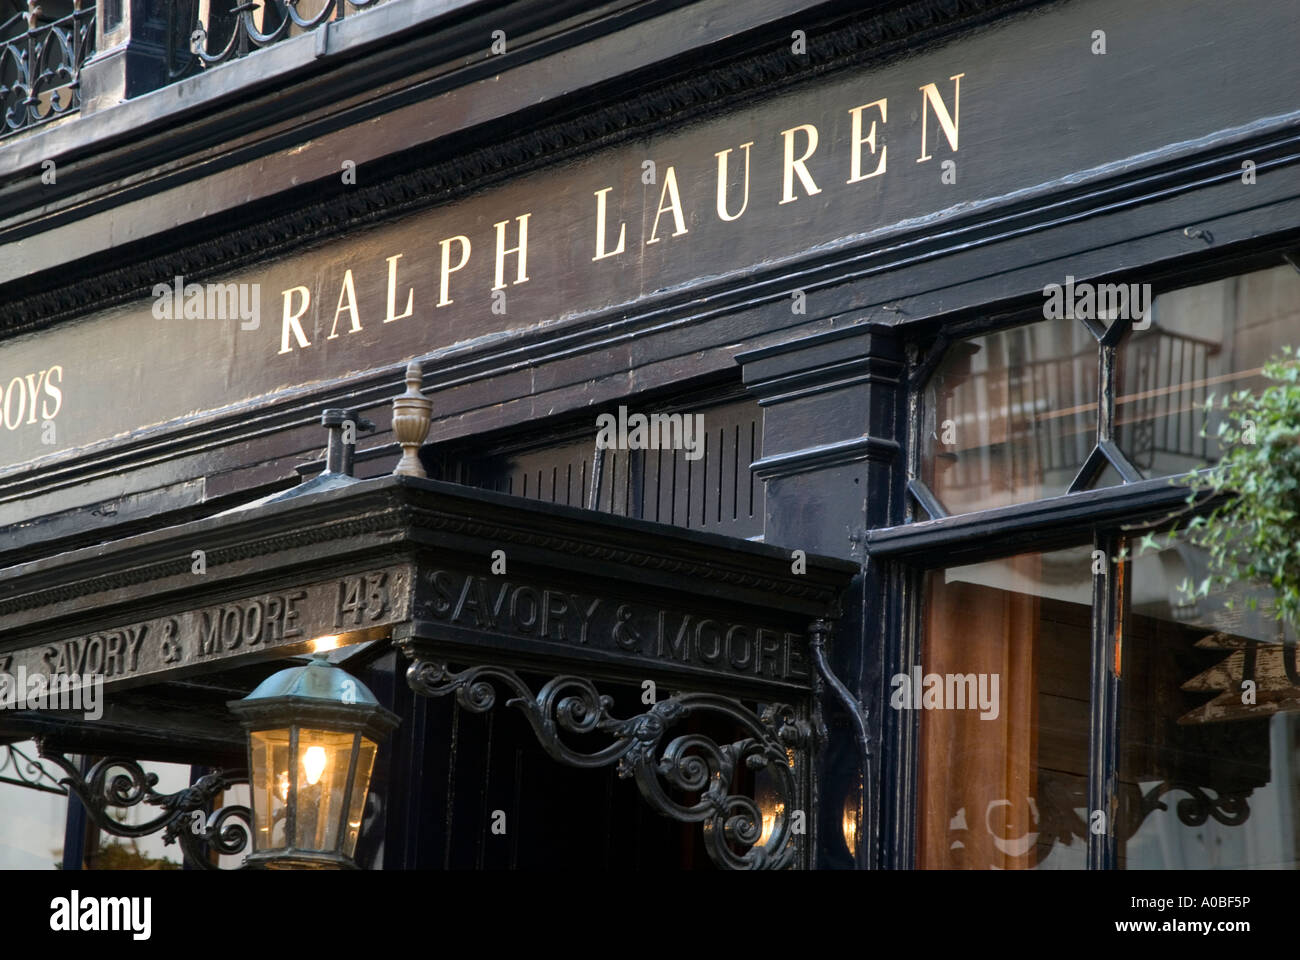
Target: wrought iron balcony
{"points": [[42, 50], [44, 45], [209, 32]]}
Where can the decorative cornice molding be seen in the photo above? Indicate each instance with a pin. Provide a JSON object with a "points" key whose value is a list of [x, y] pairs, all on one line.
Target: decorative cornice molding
{"points": [[178, 565], [591, 549], [376, 508], [832, 46]]}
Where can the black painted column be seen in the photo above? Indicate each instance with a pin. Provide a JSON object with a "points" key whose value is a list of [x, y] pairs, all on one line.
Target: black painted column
{"points": [[832, 465], [130, 53]]}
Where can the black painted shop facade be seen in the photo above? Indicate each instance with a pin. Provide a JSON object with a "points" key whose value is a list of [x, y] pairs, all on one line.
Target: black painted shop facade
{"points": [[922, 298]]}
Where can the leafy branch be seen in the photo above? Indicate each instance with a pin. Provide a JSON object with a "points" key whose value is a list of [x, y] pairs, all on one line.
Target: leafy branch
{"points": [[1252, 532]]}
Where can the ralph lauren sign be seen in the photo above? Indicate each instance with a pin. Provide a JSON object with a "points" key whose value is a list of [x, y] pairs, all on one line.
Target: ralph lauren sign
{"points": [[542, 250], [721, 210]]}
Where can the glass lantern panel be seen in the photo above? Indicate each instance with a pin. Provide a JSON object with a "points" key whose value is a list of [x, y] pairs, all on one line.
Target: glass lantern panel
{"points": [[323, 761], [269, 756], [365, 765]]}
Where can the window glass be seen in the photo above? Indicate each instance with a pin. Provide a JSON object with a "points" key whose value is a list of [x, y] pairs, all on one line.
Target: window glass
{"points": [[1011, 416], [1208, 339], [32, 821], [1004, 784], [1209, 768]]}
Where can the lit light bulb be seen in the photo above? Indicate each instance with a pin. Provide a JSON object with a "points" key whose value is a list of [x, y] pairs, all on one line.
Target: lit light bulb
{"points": [[850, 827], [769, 824], [282, 783], [849, 822], [321, 644], [313, 762]]}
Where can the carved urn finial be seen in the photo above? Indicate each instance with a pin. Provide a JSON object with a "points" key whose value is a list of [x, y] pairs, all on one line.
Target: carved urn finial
{"points": [[412, 414]]}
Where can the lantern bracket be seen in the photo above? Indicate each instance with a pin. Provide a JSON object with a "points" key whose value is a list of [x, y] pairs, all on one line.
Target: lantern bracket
{"points": [[186, 815], [691, 763]]}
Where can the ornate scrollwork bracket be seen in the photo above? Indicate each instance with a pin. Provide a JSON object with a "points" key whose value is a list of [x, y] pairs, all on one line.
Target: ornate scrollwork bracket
{"points": [[690, 763], [185, 817], [1230, 808]]}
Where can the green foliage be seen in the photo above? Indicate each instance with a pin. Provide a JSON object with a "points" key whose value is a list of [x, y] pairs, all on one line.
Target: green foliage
{"points": [[1253, 531], [118, 856]]}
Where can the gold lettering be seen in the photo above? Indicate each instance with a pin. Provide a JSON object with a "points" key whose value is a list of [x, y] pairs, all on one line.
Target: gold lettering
{"points": [[33, 387], [350, 292], [392, 293], [793, 166], [948, 123], [601, 254], [444, 286], [722, 183], [292, 318], [521, 274], [855, 166], [52, 393], [675, 205]]}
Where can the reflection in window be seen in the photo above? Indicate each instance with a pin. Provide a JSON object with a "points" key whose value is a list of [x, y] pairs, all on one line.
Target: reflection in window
{"points": [[1208, 779], [1011, 416], [32, 813], [1210, 339], [1006, 791]]}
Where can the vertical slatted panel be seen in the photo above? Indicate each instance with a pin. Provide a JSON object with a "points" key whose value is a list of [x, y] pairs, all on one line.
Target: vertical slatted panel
{"points": [[716, 491]]}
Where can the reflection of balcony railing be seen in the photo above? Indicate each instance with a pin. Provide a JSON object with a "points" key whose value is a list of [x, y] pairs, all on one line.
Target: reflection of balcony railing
{"points": [[1038, 417], [1018, 423], [40, 65], [1160, 410], [208, 32]]}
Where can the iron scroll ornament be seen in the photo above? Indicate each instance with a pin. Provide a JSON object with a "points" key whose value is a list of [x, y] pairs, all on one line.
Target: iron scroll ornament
{"points": [[40, 68], [690, 763], [184, 817], [245, 29]]}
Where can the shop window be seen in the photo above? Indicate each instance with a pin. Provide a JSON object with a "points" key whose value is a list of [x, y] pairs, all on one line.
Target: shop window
{"points": [[1003, 712], [1139, 726], [1014, 416], [1209, 339], [1195, 746], [1209, 768]]}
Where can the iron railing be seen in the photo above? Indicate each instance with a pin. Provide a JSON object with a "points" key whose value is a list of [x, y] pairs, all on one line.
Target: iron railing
{"points": [[208, 32], [1040, 415], [1161, 405], [40, 64]]}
